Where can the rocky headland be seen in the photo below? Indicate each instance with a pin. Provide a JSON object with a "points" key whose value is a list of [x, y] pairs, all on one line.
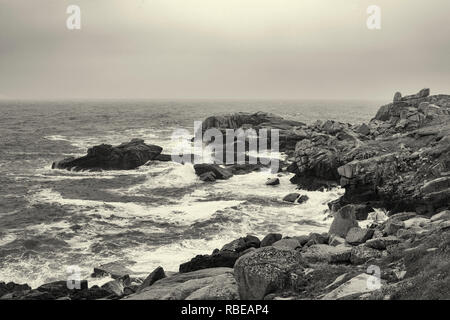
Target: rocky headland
{"points": [[399, 163]]}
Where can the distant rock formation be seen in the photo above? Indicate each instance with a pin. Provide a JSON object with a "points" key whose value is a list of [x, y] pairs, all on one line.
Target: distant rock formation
{"points": [[126, 156]]}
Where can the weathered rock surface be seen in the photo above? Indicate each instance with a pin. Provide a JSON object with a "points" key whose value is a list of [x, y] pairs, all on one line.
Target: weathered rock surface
{"points": [[326, 253], [206, 284], [361, 254], [267, 270], [126, 156]]}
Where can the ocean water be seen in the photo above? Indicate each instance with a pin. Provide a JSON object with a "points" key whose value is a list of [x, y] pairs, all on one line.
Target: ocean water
{"points": [[156, 215]]}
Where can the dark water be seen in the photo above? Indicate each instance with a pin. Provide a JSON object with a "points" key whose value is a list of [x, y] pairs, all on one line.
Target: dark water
{"points": [[159, 214]]}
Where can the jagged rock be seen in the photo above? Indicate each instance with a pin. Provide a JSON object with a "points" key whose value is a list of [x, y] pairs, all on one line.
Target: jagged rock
{"points": [[392, 226], [288, 129], [397, 97], [59, 289], [163, 157], [273, 182], [154, 276], [114, 269], [270, 239], [363, 129], [302, 199], [290, 244], [208, 176], [268, 270], [117, 286], [242, 244], [219, 172], [206, 284], [356, 235], [326, 253], [11, 287], [126, 156], [343, 221]]}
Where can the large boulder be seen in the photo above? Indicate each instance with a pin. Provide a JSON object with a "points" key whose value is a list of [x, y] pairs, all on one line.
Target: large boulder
{"points": [[206, 284], [126, 156], [268, 270], [288, 129]]}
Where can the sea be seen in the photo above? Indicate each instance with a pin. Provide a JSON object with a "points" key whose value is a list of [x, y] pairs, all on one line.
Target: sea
{"points": [[159, 214]]}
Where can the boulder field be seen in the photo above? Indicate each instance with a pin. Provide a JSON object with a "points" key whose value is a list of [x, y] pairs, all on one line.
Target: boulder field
{"points": [[398, 162]]}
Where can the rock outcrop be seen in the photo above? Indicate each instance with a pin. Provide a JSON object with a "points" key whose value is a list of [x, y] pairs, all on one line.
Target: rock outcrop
{"points": [[126, 156]]}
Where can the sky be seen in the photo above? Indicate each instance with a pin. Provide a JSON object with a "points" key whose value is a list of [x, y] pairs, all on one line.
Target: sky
{"points": [[232, 49]]}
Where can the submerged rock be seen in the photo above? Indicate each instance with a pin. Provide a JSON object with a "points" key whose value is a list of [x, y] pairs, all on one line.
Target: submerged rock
{"points": [[273, 182], [126, 156]]}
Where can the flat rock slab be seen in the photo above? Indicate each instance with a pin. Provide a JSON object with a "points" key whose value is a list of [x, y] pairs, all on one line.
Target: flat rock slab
{"points": [[382, 243], [360, 284], [206, 284], [326, 253]]}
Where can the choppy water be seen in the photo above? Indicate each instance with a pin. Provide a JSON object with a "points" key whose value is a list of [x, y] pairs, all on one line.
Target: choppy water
{"points": [[159, 214]]}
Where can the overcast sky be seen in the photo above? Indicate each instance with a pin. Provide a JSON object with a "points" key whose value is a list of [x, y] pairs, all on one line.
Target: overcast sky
{"points": [[281, 49]]}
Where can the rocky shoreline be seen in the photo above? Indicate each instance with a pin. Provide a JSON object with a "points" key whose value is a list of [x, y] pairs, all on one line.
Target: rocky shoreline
{"points": [[399, 162]]}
